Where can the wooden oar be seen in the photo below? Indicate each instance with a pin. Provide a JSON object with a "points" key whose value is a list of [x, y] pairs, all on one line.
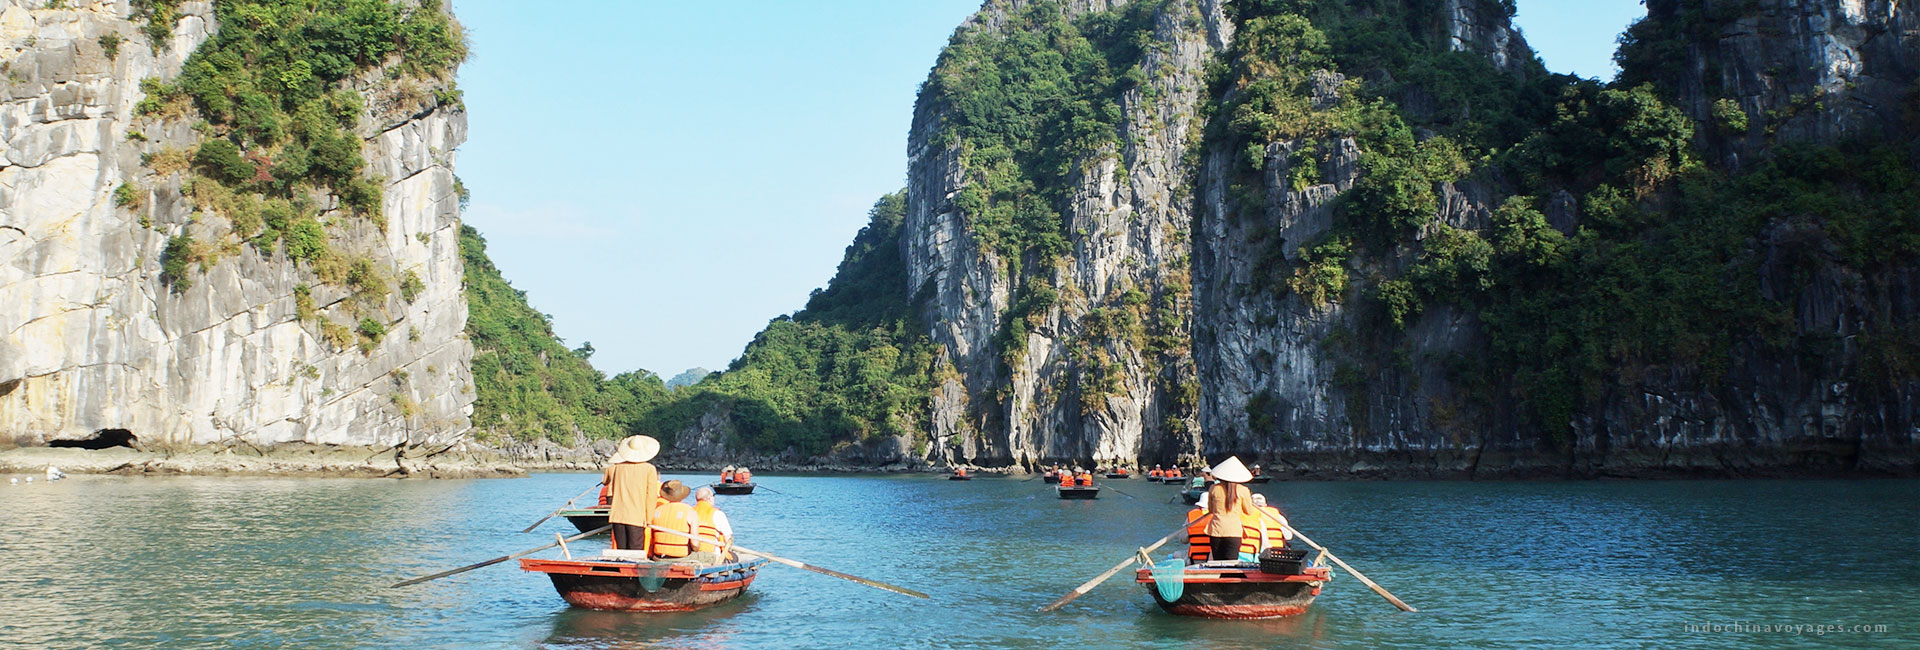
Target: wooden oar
{"points": [[1104, 485], [1090, 584], [500, 559], [557, 510], [1336, 560], [794, 563]]}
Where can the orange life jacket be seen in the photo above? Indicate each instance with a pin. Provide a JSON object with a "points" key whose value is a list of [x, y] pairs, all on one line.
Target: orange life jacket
{"points": [[1175, 472], [1155, 472], [1199, 545], [962, 471], [743, 477], [673, 515], [726, 476], [704, 510]]}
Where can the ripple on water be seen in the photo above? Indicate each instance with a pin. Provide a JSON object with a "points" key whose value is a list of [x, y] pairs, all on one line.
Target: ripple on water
{"points": [[255, 562]]}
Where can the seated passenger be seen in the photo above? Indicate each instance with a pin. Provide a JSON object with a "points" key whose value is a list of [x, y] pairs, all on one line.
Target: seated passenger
{"points": [[712, 524], [673, 513]]}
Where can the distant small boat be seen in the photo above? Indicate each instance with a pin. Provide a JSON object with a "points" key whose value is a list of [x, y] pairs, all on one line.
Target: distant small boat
{"points": [[1191, 496], [733, 488], [1238, 590], [1050, 478], [1173, 480], [586, 519], [1079, 491], [1119, 475], [623, 585], [1262, 478], [959, 477]]}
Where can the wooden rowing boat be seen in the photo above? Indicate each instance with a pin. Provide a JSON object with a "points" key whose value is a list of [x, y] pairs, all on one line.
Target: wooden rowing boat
{"points": [[1191, 496], [1260, 478], [733, 488], [1238, 590], [959, 477], [1078, 491], [586, 519], [1050, 478], [633, 586], [1119, 475]]}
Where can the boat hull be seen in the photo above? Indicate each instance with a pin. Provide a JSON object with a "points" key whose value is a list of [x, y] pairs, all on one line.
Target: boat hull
{"points": [[959, 478], [586, 519], [1239, 593], [1119, 475], [1049, 479], [1260, 479], [1092, 492], [618, 586], [732, 488]]}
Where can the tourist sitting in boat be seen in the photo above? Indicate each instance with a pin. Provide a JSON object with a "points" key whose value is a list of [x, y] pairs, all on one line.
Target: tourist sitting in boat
{"points": [[960, 472], [1202, 481], [726, 474], [712, 524], [1174, 472], [1199, 545], [1155, 472], [1256, 470], [1231, 504], [674, 514], [744, 475], [1273, 526], [632, 484], [1083, 478]]}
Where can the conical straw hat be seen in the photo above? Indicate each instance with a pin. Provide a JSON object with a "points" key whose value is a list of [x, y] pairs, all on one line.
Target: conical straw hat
{"points": [[1232, 471], [636, 449]]}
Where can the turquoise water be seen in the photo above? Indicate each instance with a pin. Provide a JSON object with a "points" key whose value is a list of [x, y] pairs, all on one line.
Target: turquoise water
{"points": [[258, 562]]}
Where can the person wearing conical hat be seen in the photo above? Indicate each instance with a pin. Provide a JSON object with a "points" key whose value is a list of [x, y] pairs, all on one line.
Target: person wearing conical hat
{"points": [[633, 484], [1231, 504]]}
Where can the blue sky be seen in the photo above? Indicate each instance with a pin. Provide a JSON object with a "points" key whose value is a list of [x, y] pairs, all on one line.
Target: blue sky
{"points": [[664, 177]]}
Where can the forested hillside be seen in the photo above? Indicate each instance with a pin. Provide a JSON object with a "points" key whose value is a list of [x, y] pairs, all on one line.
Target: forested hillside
{"points": [[1372, 236]]}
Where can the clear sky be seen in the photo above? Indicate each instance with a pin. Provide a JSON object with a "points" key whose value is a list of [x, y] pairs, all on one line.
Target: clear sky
{"points": [[665, 177]]}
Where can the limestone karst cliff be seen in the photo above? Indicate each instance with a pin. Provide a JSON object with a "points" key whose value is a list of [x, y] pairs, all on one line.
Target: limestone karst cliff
{"points": [[211, 229], [1377, 236]]}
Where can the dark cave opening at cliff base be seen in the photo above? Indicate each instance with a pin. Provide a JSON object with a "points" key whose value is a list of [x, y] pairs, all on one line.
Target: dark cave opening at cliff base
{"points": [[102, 439]]}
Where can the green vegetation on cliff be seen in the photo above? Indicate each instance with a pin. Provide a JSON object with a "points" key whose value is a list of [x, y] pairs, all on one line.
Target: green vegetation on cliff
{"points": [[527, 383], [276, 120], [853, 366]]}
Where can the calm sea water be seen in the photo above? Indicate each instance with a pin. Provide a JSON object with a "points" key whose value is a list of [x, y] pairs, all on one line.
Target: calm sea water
{"points": [[257, 562]]}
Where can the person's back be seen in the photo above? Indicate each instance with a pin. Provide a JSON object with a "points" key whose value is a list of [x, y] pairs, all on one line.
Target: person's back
{"points": [[743, 476], [712, 524], [673, 514], [631, 485], [1199, 544]]}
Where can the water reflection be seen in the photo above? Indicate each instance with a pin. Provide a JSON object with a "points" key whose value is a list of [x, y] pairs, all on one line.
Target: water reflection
{"points": [[707, 628]]}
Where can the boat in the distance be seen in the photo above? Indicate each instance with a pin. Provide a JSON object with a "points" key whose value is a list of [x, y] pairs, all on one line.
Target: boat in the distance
{"points": [[1078, 491], [1192, 495], [1236, 590], [733, 488], [1261, 478], [959, 477], [1049, 477], [586, 519], [618, 583], [1119, 475]]}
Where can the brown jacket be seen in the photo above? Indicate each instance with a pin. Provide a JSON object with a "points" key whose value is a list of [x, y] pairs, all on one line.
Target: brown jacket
{"points": [[1226, 523], [634, 487]]}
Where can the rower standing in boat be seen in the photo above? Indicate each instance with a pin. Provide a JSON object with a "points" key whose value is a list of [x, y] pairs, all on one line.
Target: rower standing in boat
{"points": [[1230, 503], [632, 484]]}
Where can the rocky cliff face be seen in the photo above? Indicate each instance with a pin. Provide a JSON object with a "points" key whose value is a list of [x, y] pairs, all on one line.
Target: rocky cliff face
{"points": [[1150, 226], [1085, 385], [91, 338]]}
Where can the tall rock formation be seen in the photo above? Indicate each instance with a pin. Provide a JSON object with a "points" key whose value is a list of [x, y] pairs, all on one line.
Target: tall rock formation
{"points": [[257, 346]]}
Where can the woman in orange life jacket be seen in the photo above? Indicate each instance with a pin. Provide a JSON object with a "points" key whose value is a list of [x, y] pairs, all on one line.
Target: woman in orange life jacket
{"points": [[726, 475], [673, 513], [1085, 478], [744, 475], [1155, 472], [1231, 504], [711, 523]]}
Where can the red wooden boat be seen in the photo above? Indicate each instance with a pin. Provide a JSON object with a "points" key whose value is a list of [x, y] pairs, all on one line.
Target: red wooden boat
{"points": [[630, 586], [1239, 590]]}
